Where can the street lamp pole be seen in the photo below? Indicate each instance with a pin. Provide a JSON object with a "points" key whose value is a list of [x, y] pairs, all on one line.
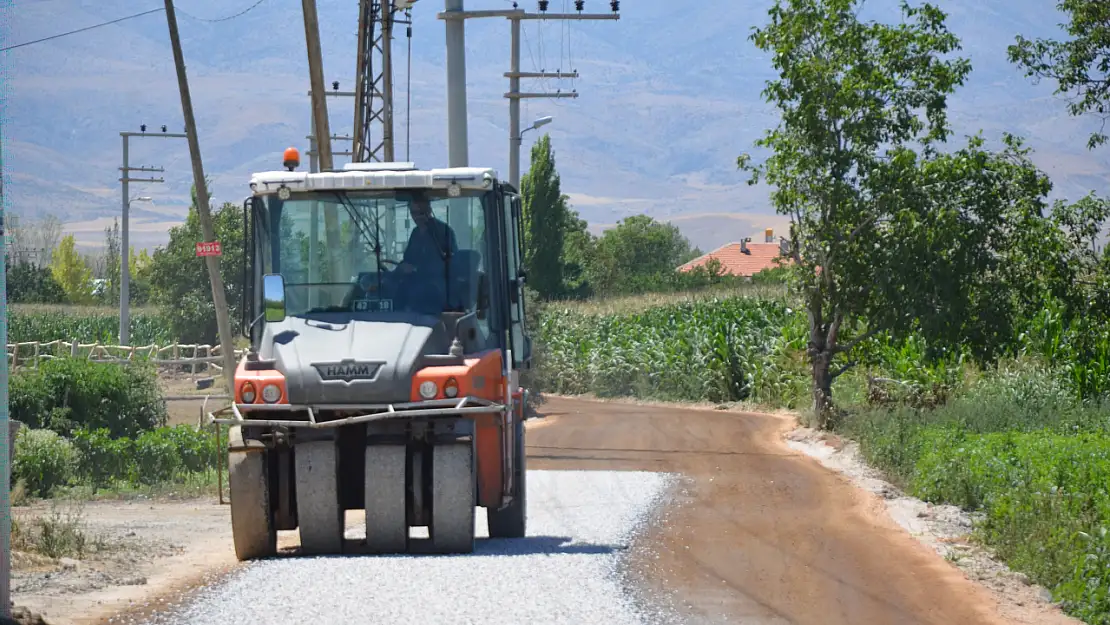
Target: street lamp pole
{"points": [[125, 273], [125, 178]]}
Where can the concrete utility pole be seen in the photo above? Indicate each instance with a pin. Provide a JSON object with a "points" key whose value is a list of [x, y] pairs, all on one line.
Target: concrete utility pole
{"points": [[458, 154], [456, 85], [219, 295], [125, 243], [5, 423]]}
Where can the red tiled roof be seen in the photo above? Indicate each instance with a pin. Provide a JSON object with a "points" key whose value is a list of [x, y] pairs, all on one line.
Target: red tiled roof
{"points": [[733, 261]]}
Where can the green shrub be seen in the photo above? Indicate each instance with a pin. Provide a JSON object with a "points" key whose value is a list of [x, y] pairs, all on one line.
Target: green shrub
{"points": [[66, 394], [154, 457], [43, 461]]}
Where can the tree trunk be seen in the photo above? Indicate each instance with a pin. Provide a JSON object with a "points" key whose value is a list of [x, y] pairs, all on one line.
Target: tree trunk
{"points": [[822, 389]]}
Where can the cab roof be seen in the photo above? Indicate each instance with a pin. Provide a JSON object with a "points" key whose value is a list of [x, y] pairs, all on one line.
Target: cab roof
{"points": [[356, 176]]}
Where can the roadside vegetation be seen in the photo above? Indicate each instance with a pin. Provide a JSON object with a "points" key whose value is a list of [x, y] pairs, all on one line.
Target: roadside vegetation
{"points": [[936, 306]]}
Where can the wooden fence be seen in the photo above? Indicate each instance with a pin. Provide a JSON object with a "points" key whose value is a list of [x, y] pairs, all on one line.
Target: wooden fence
{"points": [[196, 357]]}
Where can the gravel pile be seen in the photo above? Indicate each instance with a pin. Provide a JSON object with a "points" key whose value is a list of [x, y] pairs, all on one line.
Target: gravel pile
{"points": [[565, 571]]}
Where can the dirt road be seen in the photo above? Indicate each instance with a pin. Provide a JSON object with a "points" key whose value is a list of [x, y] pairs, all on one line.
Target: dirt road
{"points": [[759, 534], [765, 535]]}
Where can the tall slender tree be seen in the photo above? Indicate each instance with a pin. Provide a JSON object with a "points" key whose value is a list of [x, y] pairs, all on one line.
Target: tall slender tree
{"points": [[545, 222]]}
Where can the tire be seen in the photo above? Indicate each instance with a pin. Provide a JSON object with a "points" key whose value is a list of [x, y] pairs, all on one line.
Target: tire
{"points": [[511, 521], [318, 511], [387, 528], [453, 489], [252, 523]]}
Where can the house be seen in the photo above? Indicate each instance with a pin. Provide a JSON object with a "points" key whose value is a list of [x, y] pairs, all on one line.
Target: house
{"points": [[745, 258]]}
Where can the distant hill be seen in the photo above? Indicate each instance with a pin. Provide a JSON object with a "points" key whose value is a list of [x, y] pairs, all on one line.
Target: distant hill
{"points": [[668, 98]]}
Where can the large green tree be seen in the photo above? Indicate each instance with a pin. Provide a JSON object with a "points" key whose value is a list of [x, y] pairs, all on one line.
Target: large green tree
{"points": [[578, 250], [637, 255], [179, 279], [887, 233], [1080, 65], [545, 222]]}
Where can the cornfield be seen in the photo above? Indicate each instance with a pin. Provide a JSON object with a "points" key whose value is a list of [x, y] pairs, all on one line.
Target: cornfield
{"points": [[714, 349], [84, 324]]}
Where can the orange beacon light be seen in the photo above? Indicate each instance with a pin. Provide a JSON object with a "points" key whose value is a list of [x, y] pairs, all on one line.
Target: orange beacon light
{"points": [[291, 158]]}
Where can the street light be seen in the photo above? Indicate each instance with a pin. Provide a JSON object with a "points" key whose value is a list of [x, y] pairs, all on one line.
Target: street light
{"points": [[542, 121], [125, 274]]}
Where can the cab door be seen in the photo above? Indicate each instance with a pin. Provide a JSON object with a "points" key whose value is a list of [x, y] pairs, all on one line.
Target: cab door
{"points": [[519, 340]]}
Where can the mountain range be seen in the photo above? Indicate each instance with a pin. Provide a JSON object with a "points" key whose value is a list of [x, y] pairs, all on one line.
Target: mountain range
{"points": [[669, 95]]}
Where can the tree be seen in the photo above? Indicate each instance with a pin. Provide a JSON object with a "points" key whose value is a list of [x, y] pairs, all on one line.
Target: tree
{"points": [[545, 220], [70, 271], [637, 254], [884, 238], [1080, 66], [31, 284], [578, 249], [179, 279], [112, 263]]}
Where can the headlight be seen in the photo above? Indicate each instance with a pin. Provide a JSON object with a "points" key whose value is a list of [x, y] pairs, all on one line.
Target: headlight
{"points": [[248, 393], [428, 390], [271, 393], [451, 388]]}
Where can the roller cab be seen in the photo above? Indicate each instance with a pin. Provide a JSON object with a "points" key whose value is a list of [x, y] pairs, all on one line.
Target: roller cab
{"points": [[385, 309]]}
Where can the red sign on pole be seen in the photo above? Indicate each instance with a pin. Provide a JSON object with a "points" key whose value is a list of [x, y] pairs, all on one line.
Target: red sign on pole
{"points": [[208, 249]]}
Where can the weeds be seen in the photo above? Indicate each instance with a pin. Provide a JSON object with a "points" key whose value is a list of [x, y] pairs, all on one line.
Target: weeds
{"points": [[61, 533]]}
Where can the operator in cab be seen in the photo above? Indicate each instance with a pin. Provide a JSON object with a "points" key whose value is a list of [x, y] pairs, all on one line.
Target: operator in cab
{"points": [[429, 242], [430, 246]]}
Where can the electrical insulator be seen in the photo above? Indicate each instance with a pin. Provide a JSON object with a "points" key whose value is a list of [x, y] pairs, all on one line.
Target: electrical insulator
{"points": [[142, 128], [163, 128], [579, 5], [543, 5], [615, 5]]}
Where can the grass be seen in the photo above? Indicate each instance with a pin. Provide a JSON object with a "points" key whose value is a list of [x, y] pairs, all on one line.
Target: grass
{"points": [[61, 533]]}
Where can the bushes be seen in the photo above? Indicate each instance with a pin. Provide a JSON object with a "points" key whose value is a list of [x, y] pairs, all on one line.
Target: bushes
{"points": [[1017, 446], [98, 424], [66, 394], [154, 457], [43, 461], [46, 461]]}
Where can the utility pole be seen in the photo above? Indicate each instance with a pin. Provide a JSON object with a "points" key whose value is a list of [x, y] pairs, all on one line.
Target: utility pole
{"points": [[219, 295], [458, 154], [320, 123], [313, 155], [125, 243], [455, 16], [5, 422]]}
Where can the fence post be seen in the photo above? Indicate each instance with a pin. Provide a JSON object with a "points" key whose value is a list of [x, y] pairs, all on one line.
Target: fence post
{"points": [[73, 348]]}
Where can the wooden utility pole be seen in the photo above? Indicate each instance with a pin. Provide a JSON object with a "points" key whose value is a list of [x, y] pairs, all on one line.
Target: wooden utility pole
{"points": [[320, 127], [219, 295]]}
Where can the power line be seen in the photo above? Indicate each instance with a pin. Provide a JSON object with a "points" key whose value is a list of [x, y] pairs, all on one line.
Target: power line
{"points": [[79, 30], [116, 21], [222, 19]]}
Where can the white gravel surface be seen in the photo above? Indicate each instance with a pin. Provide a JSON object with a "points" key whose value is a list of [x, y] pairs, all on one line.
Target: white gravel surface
{"points": [[567, 570]]}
